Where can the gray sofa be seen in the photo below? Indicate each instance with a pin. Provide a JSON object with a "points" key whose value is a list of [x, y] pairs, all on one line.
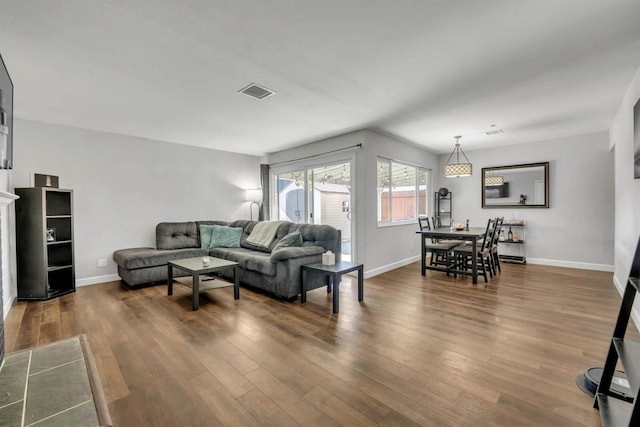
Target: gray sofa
{"points": [[275, 272]]}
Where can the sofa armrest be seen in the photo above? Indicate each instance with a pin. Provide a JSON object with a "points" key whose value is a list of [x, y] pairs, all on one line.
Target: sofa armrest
{"points": [[295, 252]]}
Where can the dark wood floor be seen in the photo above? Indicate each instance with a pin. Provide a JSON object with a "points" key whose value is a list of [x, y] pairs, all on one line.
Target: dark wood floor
{"points": [[418, 351]]}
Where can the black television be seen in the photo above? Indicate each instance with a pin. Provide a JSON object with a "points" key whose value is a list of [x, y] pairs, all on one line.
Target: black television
{"points": [[6, 117], [497, 191]]}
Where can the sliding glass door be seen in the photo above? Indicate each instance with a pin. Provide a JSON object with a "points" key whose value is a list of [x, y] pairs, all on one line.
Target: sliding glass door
{"points": [[318, 195], [290, 195]]}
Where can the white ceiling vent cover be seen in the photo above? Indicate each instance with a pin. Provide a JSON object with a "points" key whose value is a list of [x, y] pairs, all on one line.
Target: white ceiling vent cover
{"points": [[257, 91]]}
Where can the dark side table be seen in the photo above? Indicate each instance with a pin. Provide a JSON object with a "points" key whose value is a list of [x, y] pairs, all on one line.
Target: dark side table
{"points": [[334, 274]]}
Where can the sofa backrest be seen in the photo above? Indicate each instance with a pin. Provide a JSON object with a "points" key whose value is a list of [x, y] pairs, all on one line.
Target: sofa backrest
{"points": [[176, 235], [179, 235], [328, 237], [247, 226]]}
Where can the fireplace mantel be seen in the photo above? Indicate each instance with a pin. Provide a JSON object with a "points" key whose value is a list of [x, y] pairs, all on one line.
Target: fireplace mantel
{"points": [[7, 198]]}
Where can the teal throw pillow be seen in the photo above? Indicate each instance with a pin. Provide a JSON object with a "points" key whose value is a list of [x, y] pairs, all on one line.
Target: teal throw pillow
{"points": [[205, 236], [225, 237], [290, 240]]}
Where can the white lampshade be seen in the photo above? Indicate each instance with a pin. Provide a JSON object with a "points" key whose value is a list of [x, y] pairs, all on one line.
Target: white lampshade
{"points": [[253, 195], [457, 170]]}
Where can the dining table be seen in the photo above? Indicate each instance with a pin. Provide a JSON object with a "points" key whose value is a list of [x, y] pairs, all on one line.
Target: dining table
{"points": [[470, 235]]}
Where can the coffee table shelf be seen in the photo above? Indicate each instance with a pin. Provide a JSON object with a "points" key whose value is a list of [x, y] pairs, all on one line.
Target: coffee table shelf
{"points": [[207, 283], [196, 268]]}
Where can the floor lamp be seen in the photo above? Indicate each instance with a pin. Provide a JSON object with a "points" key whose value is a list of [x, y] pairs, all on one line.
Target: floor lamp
{"points": [[255, 197]]}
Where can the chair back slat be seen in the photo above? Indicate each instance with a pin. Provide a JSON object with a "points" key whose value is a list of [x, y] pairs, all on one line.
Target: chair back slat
{"points": [[487, 240], [496, 235], [423, 223]]}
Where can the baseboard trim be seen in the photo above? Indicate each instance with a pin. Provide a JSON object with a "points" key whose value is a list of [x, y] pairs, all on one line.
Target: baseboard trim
{"points": [[541, 261], [97, 279], [635, 314], [376, 271], [8, 303], [571, 264]]}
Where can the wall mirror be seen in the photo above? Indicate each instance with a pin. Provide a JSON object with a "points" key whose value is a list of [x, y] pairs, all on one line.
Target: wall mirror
{"points": [[516, 186]]}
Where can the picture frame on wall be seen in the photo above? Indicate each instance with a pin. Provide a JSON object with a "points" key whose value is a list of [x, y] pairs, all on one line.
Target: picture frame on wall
{"points": [[636, 140]]}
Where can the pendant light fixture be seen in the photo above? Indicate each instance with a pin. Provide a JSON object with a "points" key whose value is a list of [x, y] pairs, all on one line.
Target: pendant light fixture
{"points": [[493, 180], [457, 169]]}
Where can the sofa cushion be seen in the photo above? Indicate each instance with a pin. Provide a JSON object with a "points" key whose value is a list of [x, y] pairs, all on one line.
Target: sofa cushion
{"points": [[264, 233], [176, 235], [247, 259], [320, 235], [199, 223], [225, 237], [283, 230], [295, 252], [135, 258], [205, 234], [290, 240]]}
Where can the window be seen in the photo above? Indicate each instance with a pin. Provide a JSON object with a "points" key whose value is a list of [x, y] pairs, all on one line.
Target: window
{"points": [[402, 191]]}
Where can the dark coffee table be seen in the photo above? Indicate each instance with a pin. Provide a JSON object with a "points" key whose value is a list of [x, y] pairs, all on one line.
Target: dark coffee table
{"points": [[195, 267], [334, 275]]}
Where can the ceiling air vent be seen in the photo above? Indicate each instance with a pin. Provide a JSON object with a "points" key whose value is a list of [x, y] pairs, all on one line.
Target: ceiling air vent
{"points": [[257, 91]]}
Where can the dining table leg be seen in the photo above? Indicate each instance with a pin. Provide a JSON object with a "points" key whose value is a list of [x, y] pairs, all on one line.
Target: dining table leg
{"points": [[424, 254]]}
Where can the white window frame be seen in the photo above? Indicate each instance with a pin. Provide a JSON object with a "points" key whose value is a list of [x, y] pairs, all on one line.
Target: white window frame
{"points": [[418, 170]]}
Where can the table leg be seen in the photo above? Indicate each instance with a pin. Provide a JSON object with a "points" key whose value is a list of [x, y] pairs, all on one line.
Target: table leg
{"points": [[196, 291], [328, 282], [170, 278], [360, 284], [424, 255], [336, 292], [474, 260], [303, 289], [236, 284]]}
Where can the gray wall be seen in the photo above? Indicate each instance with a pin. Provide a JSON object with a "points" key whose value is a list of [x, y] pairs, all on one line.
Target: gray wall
{"points": [[627, 200], [384, 248], [123, 186], [577, 229]]}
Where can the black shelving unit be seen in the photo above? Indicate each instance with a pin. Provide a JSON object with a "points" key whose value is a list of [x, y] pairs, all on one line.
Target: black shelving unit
{"points": [[613, 410], [443, 208], [44, 243], [510, 250]]}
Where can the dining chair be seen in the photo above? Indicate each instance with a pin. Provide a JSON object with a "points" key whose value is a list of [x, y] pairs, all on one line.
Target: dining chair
{"points": [[423, 222], [440, 251], [495, 258], [492, 235], [463, 254], [437, 223]]}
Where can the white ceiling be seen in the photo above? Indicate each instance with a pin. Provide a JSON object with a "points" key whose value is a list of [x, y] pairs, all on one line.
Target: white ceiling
{"points": [[423, 71]]}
